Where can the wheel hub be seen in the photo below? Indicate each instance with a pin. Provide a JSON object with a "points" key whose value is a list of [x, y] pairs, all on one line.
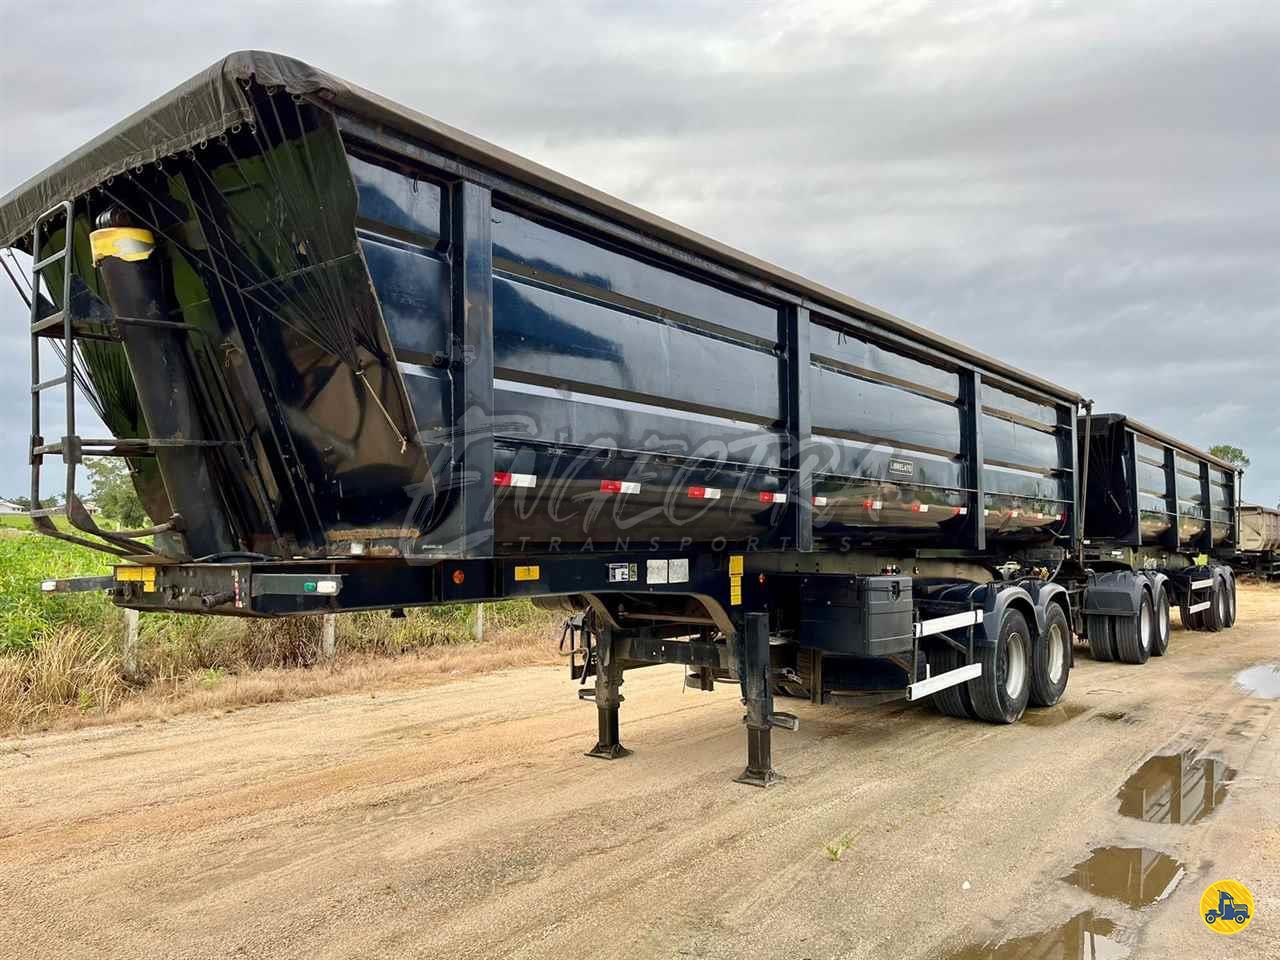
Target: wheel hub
{"points": [[1016, 671], [1057, 659]]}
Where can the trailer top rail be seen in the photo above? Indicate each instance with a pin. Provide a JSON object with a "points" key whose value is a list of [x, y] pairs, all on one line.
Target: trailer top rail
{"points": [[216, 100], [1164, 438]]}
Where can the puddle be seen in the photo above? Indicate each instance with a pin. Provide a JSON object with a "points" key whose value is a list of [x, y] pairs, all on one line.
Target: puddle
{"points": [[1084, 935], [1261, 681], [1175, 788], [1136, 876], [1054, 716]]}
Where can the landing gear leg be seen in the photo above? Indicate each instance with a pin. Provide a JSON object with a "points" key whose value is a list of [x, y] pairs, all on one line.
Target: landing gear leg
{"points": [[753, 671], [608, 699]]}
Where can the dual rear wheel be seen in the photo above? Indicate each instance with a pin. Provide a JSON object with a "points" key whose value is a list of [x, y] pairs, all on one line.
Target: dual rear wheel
{"points": [[1017, 670]]}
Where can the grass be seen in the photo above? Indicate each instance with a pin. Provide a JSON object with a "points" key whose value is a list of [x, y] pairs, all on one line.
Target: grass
{"points": [[60, 654]]}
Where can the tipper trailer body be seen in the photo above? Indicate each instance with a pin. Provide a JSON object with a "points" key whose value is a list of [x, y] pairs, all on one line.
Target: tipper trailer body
{"points": [[1259, 541], [356, 359]]}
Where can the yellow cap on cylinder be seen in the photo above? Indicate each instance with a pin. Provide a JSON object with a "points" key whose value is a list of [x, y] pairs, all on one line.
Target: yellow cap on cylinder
{"points": [[123, 243]]}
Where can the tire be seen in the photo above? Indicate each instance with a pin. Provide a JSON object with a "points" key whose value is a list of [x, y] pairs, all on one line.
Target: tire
{"points": [[1000, 694], [1134, 634], [1229, 582], [1190, 621], [1160, 641], [953, 701], [1051, 659], [1212, 618], [1101, 639]]}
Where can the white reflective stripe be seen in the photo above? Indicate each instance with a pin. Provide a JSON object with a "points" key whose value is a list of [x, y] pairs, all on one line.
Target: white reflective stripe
{"points": [[924, 508], [1201, 584], [877, 505], [1197, 607], [49, 586], [629, 486], [523, 480], [951, 678], [779, 498], [964, 511], [926, 628], [819, 501]]}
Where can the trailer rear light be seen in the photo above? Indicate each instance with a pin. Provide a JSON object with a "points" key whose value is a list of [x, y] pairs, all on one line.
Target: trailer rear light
{"points": [[704, 493], [619, 486], [767, 497], [503, 479]]}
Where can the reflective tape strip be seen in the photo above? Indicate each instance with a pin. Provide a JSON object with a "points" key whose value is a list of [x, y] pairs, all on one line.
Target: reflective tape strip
{"points": [[515, 480], [873, 504], [1197, 607], [926, 628], [619, 486], [919, 508], [767, 497], [819, 501], [1201, 584], [704, 493]]}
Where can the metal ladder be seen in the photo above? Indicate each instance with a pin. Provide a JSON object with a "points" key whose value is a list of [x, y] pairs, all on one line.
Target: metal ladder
{"points": [[64, 326]]}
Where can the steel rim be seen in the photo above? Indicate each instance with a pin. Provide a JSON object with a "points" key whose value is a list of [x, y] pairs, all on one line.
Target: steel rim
{"points": [[1222, 604], [1016, 672], [1163, 625], [1144, 626], [1231, 602], [1057, 658]]}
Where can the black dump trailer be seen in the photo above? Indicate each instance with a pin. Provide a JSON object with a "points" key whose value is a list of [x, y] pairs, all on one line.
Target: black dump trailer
{"points": [[1162, 524], [356, 359]]}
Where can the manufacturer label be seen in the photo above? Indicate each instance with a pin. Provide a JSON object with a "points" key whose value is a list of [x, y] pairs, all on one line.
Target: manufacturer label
{"points": [[903, 467], [623, 572]]}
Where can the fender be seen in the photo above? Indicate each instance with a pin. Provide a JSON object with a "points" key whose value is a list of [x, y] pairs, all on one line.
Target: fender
{"points": [[1114, 594], [992, 598], [1042, 594]]}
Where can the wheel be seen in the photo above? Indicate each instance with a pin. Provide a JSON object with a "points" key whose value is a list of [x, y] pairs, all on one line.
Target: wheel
{"points": [[1240, 918], [1229, 582], [1212, 617], [1000, 694], [1133, 634], [1101, 639], [1160, 639], [1210, 917], [1051, 659], [1190, 621], [953, 701]]}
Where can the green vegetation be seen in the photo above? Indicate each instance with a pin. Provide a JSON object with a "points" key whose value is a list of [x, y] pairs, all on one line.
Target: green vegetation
{"points": [[114, 493], [1231, 454], [64, 650]]}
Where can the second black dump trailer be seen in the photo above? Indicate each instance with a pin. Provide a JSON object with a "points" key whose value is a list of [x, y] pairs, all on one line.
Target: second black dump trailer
{"points": [[358, 359]]}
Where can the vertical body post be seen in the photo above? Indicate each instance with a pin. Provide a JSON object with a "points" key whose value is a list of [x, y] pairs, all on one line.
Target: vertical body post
{"points": [[753, 674], [129, 647], [799, 421], [608, 696], [329, 636], [971, 439]]}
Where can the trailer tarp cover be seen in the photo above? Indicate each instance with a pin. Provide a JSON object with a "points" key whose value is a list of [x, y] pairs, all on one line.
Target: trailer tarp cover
{"points": [[216, 99]]}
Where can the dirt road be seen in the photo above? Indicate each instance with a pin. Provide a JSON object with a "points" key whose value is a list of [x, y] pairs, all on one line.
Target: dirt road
{"points": [[463, 821]]}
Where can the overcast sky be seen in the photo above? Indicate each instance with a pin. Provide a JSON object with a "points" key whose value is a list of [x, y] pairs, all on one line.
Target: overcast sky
{"points": [[1088, 190]]}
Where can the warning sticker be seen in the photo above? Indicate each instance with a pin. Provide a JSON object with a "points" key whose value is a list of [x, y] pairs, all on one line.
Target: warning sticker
{"points": [[735, 565], [656, 571], [623, 573], [735, 591]]}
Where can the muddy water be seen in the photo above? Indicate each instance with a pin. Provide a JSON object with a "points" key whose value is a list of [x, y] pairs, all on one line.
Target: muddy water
{"points": [[1261, 681], [1085, 935], [1136, 876], [1175, 788]]}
